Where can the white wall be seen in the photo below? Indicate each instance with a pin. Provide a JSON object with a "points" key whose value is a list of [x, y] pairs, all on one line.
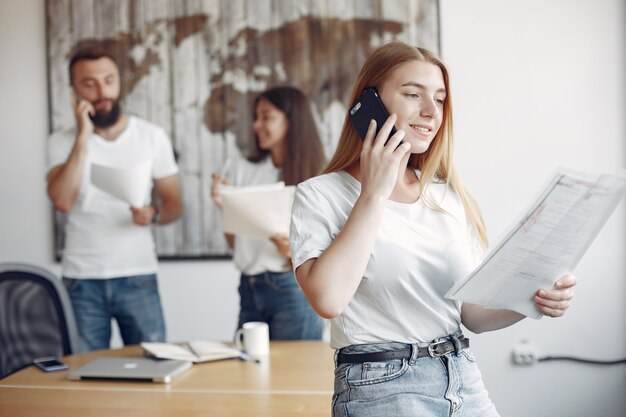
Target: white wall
{"points": [[536, 84]]}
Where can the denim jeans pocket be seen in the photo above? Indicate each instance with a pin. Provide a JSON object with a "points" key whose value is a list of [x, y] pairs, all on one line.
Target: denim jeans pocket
{"points": [[143, 281], [285, 281], [370, 373]]}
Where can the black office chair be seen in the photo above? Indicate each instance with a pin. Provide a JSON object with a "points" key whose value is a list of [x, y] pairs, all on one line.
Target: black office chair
{"points": [[36, 317]]}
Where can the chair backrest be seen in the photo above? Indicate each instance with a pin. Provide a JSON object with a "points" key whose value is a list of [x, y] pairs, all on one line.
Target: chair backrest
{"points": [[36, 317]]}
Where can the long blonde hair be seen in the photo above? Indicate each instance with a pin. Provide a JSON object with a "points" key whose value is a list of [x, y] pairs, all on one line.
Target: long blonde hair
{"points": [[436, 162]]}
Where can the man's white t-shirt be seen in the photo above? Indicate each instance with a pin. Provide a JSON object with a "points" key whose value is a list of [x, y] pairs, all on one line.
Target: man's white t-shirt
{"points": [[418, 255], [255, 256], [101, 239]]}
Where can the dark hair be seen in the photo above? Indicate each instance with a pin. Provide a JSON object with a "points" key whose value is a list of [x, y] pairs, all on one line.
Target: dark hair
{"points": [[304, 155], [90, 51]]}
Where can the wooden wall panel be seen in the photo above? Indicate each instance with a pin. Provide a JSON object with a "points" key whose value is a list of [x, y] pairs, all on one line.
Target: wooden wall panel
{"points": [[194, 67]]}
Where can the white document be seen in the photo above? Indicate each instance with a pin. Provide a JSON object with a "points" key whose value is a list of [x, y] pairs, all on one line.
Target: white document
{"points": [[549, 241], [257, 211], [129, 184]]}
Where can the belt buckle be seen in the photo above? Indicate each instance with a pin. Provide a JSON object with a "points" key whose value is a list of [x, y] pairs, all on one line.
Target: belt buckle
{"points": [[431, 349]]}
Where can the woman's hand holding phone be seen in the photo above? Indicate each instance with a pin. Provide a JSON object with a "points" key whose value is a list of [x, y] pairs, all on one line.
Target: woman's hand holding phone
{"points": [[380, 161]]}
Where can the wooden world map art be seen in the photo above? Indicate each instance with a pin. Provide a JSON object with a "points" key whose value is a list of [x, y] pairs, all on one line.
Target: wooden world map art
{"points": [[195, 67]]}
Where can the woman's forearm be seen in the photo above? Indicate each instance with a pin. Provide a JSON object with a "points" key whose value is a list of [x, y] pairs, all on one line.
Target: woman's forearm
{"points": [[331, 280]]}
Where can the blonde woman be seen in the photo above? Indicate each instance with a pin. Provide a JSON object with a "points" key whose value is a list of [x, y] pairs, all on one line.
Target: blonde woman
{"points": [[380, 238]]}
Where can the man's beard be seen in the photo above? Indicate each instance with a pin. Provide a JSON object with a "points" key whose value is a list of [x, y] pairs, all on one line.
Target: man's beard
{"points": [[107, 119]]}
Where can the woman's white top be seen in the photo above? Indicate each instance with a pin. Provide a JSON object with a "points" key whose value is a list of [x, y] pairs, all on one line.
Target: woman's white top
{"points": [[418, 255], [254, 256]]}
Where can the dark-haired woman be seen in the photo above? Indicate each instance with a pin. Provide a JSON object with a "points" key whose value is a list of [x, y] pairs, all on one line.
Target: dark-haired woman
{"points": [[286, 148]]}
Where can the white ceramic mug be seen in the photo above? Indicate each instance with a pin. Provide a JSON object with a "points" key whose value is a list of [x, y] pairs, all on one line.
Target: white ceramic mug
{"points": [[253, 338]]}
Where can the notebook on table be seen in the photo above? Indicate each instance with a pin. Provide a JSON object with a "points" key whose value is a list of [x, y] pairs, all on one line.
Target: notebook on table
{"points": [[194, 351], [131, 369]]}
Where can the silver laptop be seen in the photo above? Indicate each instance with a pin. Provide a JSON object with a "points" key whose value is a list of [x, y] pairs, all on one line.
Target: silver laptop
{"points": [[131, 369]]}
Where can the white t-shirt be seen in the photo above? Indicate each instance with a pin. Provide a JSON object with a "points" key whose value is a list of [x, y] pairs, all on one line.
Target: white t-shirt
{"points": [[418, 255], [101, 240], [255, 256]]}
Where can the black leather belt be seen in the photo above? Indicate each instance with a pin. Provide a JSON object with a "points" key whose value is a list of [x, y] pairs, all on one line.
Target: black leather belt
{"points": [[434, 350]]}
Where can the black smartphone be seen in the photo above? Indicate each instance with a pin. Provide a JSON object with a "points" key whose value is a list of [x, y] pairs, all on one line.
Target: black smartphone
{"points": [[369, 106], [50, 364]]}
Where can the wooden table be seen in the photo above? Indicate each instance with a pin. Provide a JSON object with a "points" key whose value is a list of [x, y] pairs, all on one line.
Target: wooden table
{"points": [[295, 380]]}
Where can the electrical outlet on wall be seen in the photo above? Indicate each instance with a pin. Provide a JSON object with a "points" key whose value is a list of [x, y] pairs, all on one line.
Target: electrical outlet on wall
{"points": [[525, 353]]}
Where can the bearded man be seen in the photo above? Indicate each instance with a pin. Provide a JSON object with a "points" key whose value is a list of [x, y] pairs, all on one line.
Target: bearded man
{"points": [[109, 258]]}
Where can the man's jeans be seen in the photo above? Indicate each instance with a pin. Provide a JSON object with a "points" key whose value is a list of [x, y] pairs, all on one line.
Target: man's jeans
{"points": [[133, 301]]}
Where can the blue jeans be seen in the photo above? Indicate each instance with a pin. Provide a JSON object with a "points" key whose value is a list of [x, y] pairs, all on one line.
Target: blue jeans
{"points": [[133, 301], [276, 298], [450, 385]]}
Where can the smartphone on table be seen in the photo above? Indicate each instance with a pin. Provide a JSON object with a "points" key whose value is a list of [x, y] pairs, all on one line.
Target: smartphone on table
{"points": [[369, 106], [50, 364]]}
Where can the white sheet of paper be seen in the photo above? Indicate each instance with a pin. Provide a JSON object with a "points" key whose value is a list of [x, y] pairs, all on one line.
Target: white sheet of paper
{"points": [[129, 184], [257, 211], [547, 242]]}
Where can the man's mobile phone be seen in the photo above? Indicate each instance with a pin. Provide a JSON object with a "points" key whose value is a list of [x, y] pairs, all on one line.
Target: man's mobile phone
{"points": [[50, 364], [369, 106]]}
